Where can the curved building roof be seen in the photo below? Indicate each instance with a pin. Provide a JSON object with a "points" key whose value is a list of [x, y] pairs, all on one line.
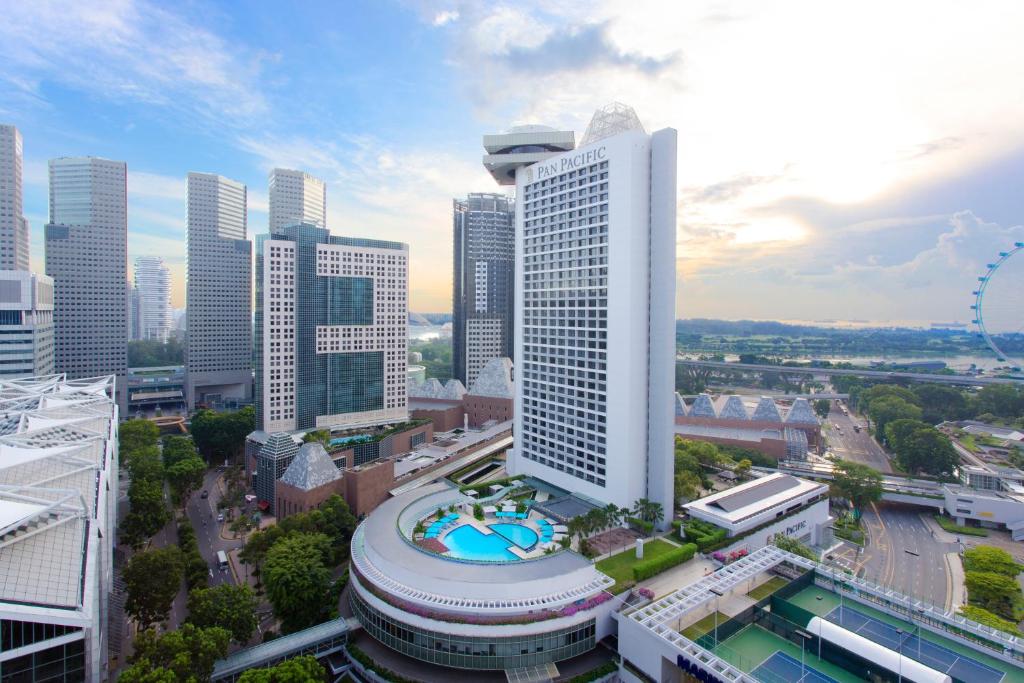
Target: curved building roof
{"points": [[385, 556]]}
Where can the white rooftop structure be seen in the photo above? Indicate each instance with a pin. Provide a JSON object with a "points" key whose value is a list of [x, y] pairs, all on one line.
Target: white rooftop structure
{"points": [[753, 502], [495, 379], [58, 482], [452, 390], [610, 120], [311, 468], [522, 146], [766, 411]]}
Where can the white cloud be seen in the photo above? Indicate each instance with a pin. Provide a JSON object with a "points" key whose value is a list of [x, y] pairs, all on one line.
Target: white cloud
{"points": [[446, 17], [130, 50]]}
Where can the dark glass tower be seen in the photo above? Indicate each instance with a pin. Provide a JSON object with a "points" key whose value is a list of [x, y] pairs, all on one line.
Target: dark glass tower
{"points": [[483, 292]]}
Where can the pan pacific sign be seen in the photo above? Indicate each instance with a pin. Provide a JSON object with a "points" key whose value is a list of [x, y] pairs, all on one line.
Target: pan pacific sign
{"points": [[570, 162]]}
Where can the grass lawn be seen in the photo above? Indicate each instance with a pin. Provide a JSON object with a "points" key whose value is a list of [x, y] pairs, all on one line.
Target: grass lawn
{"points": [[953, 528], [620, 566], [705, 625], [767, 588]]}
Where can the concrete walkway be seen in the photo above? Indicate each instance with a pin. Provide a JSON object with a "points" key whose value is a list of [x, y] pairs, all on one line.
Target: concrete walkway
{"points": [[675, 578]]}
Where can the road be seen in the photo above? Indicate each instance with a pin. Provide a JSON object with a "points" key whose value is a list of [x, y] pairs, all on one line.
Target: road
{"points": [[903, 554], [851, 445], [809, 370]]}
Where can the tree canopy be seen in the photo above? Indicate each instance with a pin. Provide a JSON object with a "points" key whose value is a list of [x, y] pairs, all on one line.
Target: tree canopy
{"points": [[858, 483], [297, 580], [186, 655], [888, 409], [304, 669], [226, 605], [222, 435], [152, 579], [986, 558]]}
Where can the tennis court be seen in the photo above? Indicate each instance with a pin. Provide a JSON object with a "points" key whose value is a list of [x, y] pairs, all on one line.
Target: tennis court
{"points": [[781, 667], [958, 666]]}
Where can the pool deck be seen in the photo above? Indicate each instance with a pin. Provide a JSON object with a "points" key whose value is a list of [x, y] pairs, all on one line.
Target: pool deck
{"points": [[482, 527]]}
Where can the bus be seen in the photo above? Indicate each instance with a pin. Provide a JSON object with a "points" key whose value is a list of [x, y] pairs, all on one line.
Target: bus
{"points": [[222, 561]]}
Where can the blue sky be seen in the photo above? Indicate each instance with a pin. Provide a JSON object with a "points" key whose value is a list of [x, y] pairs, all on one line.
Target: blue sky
{"points": [[827, 153]]}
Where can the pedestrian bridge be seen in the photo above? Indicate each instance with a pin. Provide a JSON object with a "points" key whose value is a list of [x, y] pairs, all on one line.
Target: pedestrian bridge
{"points": [[320, 641], [921, 492]]}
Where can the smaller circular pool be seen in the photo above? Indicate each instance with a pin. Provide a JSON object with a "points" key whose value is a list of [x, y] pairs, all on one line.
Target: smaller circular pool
{"points": [[523, 536]]}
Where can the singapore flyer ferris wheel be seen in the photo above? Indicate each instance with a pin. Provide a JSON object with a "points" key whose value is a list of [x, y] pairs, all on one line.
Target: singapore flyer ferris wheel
{"points": [[999, 306]]}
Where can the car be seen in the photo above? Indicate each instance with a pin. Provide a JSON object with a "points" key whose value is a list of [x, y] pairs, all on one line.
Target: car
{"points": [[205, 494], [220, 517]]}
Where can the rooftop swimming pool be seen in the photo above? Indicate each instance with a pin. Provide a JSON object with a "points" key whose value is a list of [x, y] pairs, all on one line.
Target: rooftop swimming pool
{"points": [[466, 542]]}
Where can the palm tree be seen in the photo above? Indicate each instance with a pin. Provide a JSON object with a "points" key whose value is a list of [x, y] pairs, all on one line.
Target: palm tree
{"points": [[596, 519], [614, 514], [648, 510]]}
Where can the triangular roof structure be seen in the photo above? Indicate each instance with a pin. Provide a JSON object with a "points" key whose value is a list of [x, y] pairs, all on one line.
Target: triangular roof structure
{"points": [[801, 413], [733, 409], [766, 411], [610, 120], [279, 445], [453, 390], [495, 379], [680, 406], [311, 468], [703, 407]]}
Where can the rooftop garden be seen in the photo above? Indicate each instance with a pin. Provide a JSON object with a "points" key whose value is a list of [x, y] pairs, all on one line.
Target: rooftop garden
{"points": [[659, 555]]}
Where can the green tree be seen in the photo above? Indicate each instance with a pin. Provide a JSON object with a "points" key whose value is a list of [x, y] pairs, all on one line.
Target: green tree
{"points": [[898, 433], [298, 581], [304, 669], [178, 448], [859, 484], [1002, 400], [743, 467], [186, 655], [144, 463], [146, 498], [687, 485], [794, 546], [228, 606], [185, 476], [222, 435], [998, 593], [928, 450], [823, 407], [135, 434], [888, 409], [648, 510], [866, 396], [149, 353], [986, 558], [322, 436], [152, 579], [940, 403]]}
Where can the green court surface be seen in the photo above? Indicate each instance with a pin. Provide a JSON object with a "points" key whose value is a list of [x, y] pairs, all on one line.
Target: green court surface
{"points": [[808, 599], [753, 645], [705, 625], [767, 588]]}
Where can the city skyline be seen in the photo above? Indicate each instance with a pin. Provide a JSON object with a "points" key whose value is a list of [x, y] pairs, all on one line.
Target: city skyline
{"points": [[881, 176]]}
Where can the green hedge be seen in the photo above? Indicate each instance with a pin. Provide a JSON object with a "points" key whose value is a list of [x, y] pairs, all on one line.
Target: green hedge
{"points": [[954, 528], [640, 525], [594, 674], [983, 616], [648, 568], [704, 534]]}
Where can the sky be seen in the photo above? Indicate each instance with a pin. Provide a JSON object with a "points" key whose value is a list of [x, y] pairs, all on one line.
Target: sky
{"points": [[856, 161]]}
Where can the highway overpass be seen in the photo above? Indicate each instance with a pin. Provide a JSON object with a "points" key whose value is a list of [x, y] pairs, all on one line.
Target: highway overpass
{"points": [[895, 489], [965, 380]]}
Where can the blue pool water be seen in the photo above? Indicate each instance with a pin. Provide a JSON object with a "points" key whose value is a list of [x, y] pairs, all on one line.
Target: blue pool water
{"points": [[360, 438], [522, 536], [467, 543]]}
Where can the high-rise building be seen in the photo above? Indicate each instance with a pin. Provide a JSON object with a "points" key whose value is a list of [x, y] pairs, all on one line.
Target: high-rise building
{"points": [[331, 330], [484, 282], [134, 314], [153, 285], [87, 257], [26, 324], [595, 313], [218, 356], [296, 197], [13, 225]]}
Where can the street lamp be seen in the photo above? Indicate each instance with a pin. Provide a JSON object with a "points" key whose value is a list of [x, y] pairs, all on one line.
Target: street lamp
{"points": [[804, 637], [899, 643], [718, 594]]}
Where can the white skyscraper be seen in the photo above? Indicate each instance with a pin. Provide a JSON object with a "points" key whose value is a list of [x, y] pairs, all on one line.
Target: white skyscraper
{"points": [[595, 314], [296, 197], [218, 356], [153, 283], [87, 257], [13, 226]]}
